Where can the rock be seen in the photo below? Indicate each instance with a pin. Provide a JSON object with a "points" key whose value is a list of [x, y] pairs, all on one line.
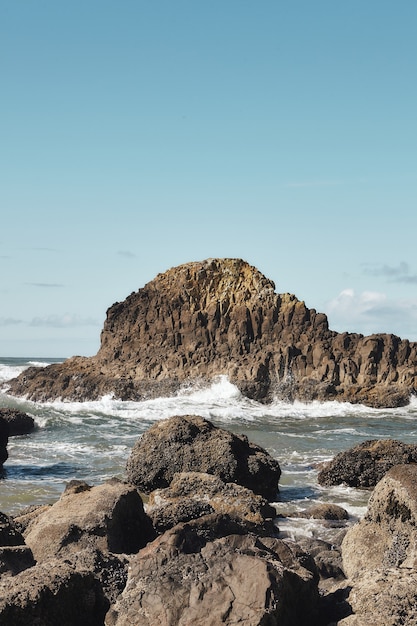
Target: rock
{"points": [[380, 553], [365, 464], [194, 494], [108, 517], [325, 511], [15, 556], [52, 593], [19, 423], [184, 578], [193, 444], [222, 316], [327, 557], [4, 439]]}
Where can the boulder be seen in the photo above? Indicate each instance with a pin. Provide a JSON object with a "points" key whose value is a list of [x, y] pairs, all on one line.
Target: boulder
{"points": [[19, 423], [365, 464], [325, 511], [109, 517], [380, 553], [4, 439], [193, 444], [223, 317], [194, 494], [187, 577], [52, 593], [15, 556]]}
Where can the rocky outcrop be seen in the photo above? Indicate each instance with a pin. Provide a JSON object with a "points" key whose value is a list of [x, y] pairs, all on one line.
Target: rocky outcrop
{"points": [[365, 464], [222, 316], [380, 553], [109, 517], [194, 494], [19, 423], [4, 439], [52, 593], [196, 574], [192, 444]]}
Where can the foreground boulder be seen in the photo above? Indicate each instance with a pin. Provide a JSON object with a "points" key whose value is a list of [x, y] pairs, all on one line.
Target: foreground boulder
{"points": [[20, 423], [190, 576], [108, 517], [365, 464], [194, 494], [193, 444], [222, 316], [15, 556], [52, 593], [380, 553]]}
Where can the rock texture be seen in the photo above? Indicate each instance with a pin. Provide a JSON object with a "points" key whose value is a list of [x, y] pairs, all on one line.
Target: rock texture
{"points": [[365, 464], [222, 316], [4, 439], [380, 553], [188, 577], [108, 517], [194, 494], [190, 443], [19, 423]]}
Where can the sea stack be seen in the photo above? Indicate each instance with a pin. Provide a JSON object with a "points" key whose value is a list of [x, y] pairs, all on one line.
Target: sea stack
{"points": [[223, 317]]}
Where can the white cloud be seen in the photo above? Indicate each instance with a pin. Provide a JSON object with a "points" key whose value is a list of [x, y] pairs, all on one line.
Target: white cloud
{"points": [[63, 321], [371, 312], [9, 321]]}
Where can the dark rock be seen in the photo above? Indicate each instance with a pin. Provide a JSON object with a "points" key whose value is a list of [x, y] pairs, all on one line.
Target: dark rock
{"points": [[192, 444], [52, 593], [193, 494], [108, 517], [222, 316], [4, 439], [365, 464], [19, 423], [186, 578], [15, 556]]}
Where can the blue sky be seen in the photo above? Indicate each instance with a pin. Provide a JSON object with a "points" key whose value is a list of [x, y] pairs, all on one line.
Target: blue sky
{"points": [[136, 136]]}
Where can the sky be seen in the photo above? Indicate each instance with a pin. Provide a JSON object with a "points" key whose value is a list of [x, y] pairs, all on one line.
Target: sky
{"points": [[136, 136]]}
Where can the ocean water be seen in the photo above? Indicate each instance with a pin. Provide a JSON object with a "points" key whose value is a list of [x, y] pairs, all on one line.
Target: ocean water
{"points": [[91, 441]]}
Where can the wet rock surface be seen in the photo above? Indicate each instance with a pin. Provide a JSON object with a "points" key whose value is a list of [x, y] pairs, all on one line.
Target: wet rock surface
{"points": [[365, 464], [192, 443], [20, 423], [222, 316]]}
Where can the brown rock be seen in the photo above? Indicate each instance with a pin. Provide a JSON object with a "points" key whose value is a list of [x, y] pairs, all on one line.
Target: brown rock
{"points": [[222, 316], [192, 444], [19, 423], [380, 553], [185, 578], [365, 464], [52, 593], [324, 511], [15, 556], [108, 517], [194, 494]]}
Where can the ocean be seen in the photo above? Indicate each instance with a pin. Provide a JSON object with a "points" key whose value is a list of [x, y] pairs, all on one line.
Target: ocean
{"points": [[91, 441]]}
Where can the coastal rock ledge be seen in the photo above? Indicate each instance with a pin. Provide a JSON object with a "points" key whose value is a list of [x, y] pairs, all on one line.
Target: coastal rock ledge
{"points": [[223, 317]]}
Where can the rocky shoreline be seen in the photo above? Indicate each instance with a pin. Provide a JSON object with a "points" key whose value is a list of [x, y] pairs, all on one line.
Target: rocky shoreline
{"points": [[191, 537], [222, 316]]}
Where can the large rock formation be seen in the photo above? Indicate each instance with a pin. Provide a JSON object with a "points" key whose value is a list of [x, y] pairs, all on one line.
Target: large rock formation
{"points": [[222, 316]]}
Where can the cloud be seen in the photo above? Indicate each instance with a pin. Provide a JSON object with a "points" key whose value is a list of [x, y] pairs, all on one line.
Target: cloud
{"points": [[63, 321], [372, 312], [10, 321], [46, 285], [126, 253], [393, 274]]}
